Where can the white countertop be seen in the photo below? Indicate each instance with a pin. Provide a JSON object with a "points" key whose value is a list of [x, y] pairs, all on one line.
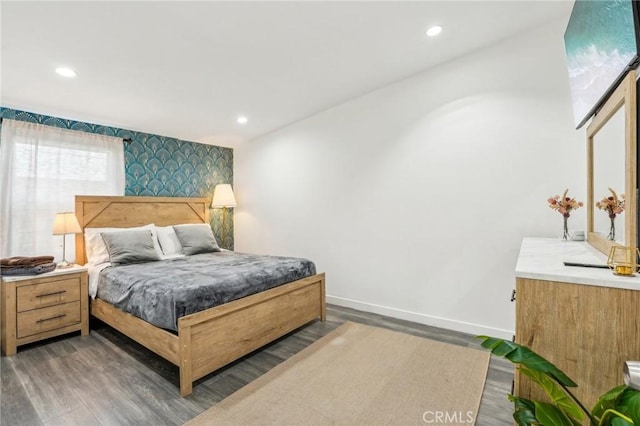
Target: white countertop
{"points": [[542, 259], [55, 272]]}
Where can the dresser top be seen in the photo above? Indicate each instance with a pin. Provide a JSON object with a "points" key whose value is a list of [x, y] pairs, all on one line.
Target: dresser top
{"points": [[543, 259], [54, 273]]}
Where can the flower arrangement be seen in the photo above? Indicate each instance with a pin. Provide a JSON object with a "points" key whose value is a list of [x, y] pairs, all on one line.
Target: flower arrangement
{"points": [[613, 205], [564, 205]]}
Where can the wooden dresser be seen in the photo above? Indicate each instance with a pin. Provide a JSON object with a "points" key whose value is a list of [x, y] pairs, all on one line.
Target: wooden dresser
{"points": [[37, 307], [584, 320]]}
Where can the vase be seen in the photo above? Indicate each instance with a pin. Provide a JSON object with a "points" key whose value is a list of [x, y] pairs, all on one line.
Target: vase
{"points": [[612, 229], [565, 228]]}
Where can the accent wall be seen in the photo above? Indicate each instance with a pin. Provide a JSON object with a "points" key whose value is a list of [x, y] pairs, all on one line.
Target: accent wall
{"points": [[160, 166]]}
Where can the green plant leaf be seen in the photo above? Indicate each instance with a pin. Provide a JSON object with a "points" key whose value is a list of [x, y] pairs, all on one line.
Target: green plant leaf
{"points": [[519, 354], [608, 400], [523, 411], [555, 392], [550, 415], [629, 405], [617, 421], [525, 418]]}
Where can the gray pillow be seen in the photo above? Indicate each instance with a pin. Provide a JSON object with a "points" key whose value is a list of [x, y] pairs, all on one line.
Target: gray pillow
{"points": [[130, 247], [196, 238]]}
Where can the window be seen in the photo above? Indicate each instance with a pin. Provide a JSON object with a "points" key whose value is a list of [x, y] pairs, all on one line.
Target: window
{"points": [[42, 168]]}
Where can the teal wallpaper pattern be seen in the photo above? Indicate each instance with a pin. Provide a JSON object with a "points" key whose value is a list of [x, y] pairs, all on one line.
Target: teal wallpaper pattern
{"points": [[160, 166]]}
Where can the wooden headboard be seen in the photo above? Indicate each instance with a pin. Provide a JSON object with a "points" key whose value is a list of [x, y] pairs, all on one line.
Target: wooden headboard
{"points": [[126, 212]]}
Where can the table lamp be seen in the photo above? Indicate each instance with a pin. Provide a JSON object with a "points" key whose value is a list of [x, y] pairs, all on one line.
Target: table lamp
{"points": [[65, 223], [223, 198]]}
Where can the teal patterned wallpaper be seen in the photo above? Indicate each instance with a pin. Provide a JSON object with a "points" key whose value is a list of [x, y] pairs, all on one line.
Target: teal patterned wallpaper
{"points": [[160, 166]]}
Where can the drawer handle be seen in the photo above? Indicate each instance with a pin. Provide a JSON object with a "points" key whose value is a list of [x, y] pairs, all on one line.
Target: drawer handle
{"points": [[52, 318], [52, 294]]}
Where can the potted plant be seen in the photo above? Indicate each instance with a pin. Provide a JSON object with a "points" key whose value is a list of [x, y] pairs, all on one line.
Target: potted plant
{"points": [[618, 407]]}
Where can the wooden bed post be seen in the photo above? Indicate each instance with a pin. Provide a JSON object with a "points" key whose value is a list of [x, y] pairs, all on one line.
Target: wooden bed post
{"points": [[186, 371]]}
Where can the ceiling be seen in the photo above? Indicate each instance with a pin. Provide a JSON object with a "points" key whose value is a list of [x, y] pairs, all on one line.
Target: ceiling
{"points": [[188, 69]]}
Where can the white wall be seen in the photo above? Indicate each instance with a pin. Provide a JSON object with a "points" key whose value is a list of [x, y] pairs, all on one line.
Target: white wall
{"points": [[414, 198]]}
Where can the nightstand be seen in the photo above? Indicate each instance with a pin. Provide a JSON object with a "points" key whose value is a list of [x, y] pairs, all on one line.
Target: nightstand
{"points": [[36, 307]]}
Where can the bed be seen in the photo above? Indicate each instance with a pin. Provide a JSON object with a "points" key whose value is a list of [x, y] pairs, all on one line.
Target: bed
{"points": [[210, 339]]}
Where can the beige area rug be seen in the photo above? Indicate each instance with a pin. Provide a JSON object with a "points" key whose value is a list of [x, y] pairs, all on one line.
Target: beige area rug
{"points": [[362, 375]]}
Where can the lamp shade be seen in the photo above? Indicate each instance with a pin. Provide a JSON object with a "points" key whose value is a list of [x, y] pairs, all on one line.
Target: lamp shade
{"points": [[66, 223], [223, 196]]}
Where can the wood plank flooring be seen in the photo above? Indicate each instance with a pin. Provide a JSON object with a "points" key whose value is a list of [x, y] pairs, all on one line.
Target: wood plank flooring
{"points": [[107, 379]]}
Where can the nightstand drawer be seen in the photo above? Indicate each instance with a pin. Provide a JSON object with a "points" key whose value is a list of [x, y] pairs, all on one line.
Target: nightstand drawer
{"points": [[48, 294], [39, 320]]}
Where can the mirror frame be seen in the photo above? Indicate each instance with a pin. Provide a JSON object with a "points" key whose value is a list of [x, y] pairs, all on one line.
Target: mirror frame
{"points": [[623, 95]]}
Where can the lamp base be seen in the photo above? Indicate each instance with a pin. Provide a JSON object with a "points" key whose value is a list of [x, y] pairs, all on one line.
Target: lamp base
{"points": [[64, 264]]}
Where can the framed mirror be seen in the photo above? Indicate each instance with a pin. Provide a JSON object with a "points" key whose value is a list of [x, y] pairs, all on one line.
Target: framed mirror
{"points": [[612, 169]]}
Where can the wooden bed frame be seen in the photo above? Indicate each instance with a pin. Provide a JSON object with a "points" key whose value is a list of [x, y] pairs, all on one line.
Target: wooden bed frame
{"points": [[210, 339]]}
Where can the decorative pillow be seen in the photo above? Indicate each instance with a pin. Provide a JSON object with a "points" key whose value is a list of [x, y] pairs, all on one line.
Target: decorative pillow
{"points": [[97, 250], [168, 239], [196, 238], [130, 247]]}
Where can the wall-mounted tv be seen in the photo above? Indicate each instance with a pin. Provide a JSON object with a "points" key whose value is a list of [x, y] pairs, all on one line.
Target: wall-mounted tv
{"points": [[601, 42]]}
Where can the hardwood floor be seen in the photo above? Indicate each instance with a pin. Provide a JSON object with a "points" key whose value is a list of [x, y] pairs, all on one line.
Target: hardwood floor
{"points": [[107, 379]]}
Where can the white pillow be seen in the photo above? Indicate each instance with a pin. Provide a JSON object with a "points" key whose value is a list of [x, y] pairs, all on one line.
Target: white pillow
{"points": [[97, 250], [168, 239]]}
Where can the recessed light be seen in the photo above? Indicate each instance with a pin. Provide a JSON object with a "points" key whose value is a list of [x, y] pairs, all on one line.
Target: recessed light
{"points": [[242, 119], [66, 72], [434, 31]]}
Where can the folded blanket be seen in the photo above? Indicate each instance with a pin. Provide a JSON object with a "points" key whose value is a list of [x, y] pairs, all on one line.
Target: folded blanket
{"points": [[25, 261], [27, 270]]}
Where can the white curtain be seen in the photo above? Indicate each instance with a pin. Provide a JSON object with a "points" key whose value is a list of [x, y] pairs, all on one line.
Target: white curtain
{"points": [[42, 169]]}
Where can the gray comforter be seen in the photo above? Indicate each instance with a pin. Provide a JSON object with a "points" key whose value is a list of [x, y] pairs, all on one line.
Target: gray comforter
{"points": [[161, 292]]}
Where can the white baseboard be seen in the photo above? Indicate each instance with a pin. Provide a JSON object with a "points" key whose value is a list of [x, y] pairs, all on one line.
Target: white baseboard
{"points": [[462, 326]]}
